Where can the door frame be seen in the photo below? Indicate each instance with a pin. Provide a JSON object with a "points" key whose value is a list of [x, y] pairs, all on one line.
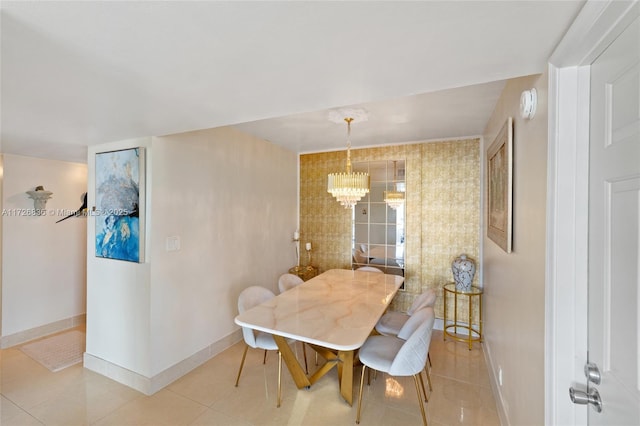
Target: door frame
{"points": [[595, 27]]}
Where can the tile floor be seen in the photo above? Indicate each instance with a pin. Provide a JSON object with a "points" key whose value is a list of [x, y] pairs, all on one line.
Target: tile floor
{"points": [[31, 395]]}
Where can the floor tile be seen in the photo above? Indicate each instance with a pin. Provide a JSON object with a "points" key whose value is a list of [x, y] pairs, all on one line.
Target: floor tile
{"points": [[32, 395]]}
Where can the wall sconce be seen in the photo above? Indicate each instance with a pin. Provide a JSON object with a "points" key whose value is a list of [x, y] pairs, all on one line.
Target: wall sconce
{"points": [[40, 197], [296, 239], [308, 247]]}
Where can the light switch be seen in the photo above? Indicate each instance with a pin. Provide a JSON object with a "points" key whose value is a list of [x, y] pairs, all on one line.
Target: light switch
{"points": [[173, 243]]}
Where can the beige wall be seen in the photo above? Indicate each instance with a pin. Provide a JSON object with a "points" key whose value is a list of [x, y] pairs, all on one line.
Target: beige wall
{"points": [[1, 204], [231, 197], [443, 205], [514, 284]]}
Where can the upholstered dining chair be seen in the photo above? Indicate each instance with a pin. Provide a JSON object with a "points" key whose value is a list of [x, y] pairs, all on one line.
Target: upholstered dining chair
{"points": [[392, 321], [368, 268], [288, 281], [250, 297], [402, 355]]}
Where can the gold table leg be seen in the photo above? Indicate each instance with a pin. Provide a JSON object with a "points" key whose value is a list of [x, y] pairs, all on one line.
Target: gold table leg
{"points": [[346, 379], [455, 312], [297, 373], [343, 361], [470, 324], [444, 334]]}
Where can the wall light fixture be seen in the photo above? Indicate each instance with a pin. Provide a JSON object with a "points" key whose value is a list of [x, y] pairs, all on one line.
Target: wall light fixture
{"points": [[40, 197]]}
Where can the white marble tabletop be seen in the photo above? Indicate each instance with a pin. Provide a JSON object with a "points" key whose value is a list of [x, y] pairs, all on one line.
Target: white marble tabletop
{"points": [[336, 309]]}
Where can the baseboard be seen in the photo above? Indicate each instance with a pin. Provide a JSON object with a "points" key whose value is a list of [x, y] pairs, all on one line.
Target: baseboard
{"points": [[41, 331], [151, 385], [501, 405], [438, 324], [117, 373]]}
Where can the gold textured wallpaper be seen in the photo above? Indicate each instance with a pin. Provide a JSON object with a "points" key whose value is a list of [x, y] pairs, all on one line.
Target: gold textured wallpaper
{"points": [[442, 208]]}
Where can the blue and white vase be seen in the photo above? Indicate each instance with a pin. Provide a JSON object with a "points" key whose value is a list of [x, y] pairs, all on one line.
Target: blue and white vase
{"points": [[463, 270]]}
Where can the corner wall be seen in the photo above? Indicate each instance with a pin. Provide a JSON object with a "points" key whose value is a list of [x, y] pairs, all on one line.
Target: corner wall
{"points": [[230, 199], [514, 283]]}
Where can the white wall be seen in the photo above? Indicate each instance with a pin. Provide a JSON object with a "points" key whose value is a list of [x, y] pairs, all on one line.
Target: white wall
{"points": [[43, 263], [232, 201], [514, 284], [118, 292]]}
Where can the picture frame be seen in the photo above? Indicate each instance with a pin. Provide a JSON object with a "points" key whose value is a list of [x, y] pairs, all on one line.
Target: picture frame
{"points": [[500, 187], [120, 204]]}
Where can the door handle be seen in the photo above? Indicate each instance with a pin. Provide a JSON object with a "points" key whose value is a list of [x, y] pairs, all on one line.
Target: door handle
{"points": [[583, 398], [592, 373]]}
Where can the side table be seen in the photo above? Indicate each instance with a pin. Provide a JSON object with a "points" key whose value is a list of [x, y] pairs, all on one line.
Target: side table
{"points": [[474, 334], [304, 272]]}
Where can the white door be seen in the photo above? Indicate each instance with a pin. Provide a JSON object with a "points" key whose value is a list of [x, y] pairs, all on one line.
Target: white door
{"points": [[614, 230]]}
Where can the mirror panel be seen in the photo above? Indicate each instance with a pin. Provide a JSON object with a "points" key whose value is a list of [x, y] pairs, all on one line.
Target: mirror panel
{"points": [[378, 230], [378, 213]]}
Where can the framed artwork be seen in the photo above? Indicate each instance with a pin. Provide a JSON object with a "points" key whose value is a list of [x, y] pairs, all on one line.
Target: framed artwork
{"points": [[119, 211], [500, 187]]}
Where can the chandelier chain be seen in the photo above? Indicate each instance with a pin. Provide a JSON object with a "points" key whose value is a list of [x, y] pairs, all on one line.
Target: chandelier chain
{"points": [[348, 120]]}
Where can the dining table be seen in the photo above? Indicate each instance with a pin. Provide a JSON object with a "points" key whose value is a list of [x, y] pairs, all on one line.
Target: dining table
{"points": [[333, 313]]}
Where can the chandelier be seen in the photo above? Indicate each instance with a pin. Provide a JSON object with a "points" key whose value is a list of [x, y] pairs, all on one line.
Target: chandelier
{"points": [[395, 198], [348, 188]]}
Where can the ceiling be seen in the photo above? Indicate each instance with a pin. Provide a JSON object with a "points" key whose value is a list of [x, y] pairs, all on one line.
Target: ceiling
{"points": [[76, 74]]}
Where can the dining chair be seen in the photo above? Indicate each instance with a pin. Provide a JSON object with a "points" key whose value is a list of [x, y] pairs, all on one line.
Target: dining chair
{"points": [[250, 297], [399, 357], [368, 268], [391, 322], [287, 282]]}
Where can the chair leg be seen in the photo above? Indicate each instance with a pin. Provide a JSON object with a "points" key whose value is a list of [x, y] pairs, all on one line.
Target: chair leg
{"points": [[279, 379], [429, 359], [244, 355], [364, 367], [264, 360], [424, 391], [424, 416], [426, 370]]}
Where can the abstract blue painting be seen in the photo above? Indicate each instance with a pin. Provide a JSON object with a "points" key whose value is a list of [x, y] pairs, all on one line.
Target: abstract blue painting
{"points": [[119, 213]]}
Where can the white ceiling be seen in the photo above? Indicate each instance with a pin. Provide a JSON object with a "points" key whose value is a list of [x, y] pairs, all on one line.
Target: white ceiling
{"points": [[81, 73]]}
